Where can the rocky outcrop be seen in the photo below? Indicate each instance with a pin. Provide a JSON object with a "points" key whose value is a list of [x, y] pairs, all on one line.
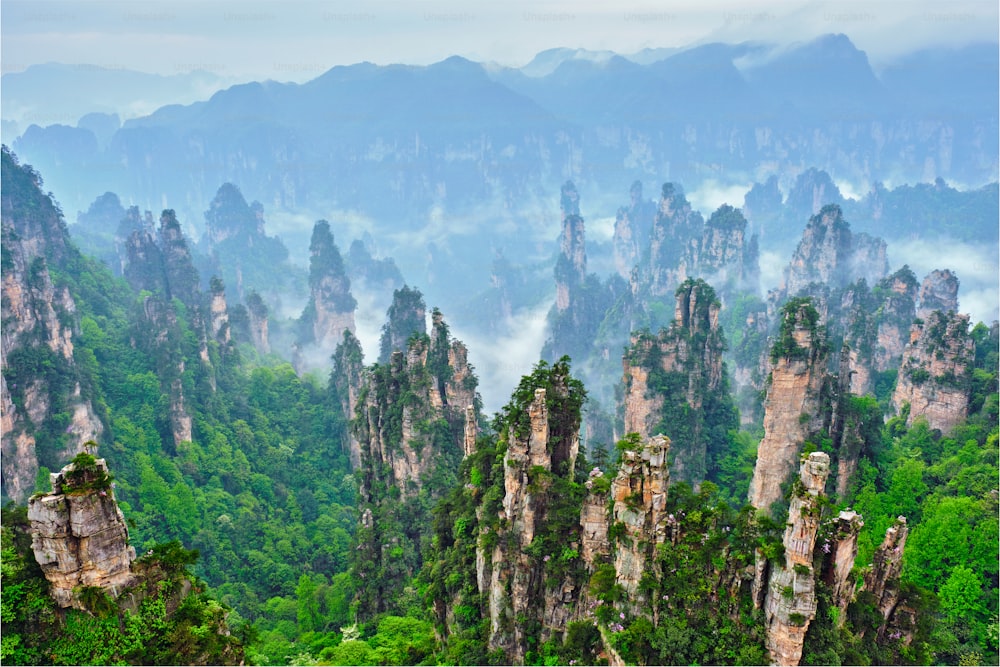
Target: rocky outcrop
{"points": [[939, 291], [258, 323], [830, 255], [410, 423], [882, 580], [406, 317], [793, 407], [79, 535], [639, 494], [935, 375], [346, 380], [218, 314], [675, 228], [40, 378], [791, 595], [540, 445], [897, 310], [723, 254], [228, 216], [330, 311], [594, 519], [673, 380], [838, 566]]}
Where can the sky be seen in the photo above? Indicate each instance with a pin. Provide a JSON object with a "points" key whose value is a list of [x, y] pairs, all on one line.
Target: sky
{"points": [[296, 40]]}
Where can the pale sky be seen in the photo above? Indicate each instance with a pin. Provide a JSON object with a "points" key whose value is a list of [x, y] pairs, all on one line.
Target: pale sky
{"points": [[297, 40]]}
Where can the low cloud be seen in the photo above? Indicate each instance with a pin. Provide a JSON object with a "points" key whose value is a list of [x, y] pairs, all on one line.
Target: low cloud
{"points": [[500, 361], [711, 194]]}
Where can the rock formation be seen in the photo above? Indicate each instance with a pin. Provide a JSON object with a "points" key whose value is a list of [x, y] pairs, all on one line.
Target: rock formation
{"points": [[793, 407], [257, 316], [675, 380], [633, 225], [882, 580], [791, 594], [939, 291], [406, 316], [935, 375], [79, 535], [675, 228], [330, 311], [842, 550], [639, 493], [541, 445], [39, 325], [410, 423], [218, 314], [571, 268], [829, 254], [346, 379], [897, 313]]}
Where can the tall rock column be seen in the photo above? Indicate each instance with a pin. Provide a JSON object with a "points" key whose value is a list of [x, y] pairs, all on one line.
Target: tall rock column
{"points": [[882, 580], [791, 595], [639, 493], [936, 372], [330, 311], [79, 534], [673, 380], [792, 407]]}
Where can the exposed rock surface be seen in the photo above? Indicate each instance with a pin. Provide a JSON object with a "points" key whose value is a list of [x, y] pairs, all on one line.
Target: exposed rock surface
{"points": [[882, 580], [639, 493], [218, 313], [935, 375], [791, 596], [792, 409], [347, 379], [633, 225], [39, 323], [571, 269], [548, 445], [408, 430], [673, 379], [939, 291], [675, 228], [406, 317], [839, 567], [79, 535], [257, 315]]}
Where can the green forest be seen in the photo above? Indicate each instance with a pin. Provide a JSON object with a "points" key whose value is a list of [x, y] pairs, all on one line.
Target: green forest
{"points": [[256, 516]]}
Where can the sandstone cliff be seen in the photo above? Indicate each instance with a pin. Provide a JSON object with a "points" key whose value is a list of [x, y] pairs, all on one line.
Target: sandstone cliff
{"points": [[346, 380], [675, 383], [40, 378], [79, 535], [675, 228], [639, 493], [793, 407], [935, 374], [410, 424], [258, 323], [791, 594]]}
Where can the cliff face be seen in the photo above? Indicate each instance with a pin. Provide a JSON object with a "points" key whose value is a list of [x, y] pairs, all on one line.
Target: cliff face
{"points": [[406, 316], [258, 323], [571, 269], [39, 376], [79, 535], [542, 445], [218, 314], [898, 311], [674, 380], [791, 594], [639, 493], [935, 375], [882, 580], [410, 426], [792, 409], [346, 380]]}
